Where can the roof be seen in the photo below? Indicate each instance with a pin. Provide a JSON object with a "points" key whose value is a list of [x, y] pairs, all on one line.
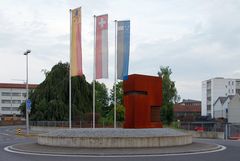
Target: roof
{"points": [[190, 100], [231, 96], [15, 85], [223, 99], [182, 108]]}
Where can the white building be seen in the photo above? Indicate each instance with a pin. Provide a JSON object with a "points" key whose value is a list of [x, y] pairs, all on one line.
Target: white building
{"points": [[11, 97], [234, 110], [214, 88], [221, 107]]}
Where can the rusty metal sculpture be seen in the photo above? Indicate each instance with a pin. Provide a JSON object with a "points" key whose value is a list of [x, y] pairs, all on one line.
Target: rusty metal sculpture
{"points": [[142, 101]]}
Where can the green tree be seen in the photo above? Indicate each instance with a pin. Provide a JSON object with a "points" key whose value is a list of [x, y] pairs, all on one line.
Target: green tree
{"points": [[170, 95], [119, 93], [119, 106], [102, 99], [120, 110], [50, 100]]}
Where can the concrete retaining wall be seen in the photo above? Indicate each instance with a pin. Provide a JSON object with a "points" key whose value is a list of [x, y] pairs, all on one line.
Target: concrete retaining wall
{"points": [[206, 134], [196, 134], [115, 142]]}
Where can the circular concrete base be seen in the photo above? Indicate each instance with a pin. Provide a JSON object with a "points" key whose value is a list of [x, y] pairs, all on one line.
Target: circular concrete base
{"points": [[115, 138]]}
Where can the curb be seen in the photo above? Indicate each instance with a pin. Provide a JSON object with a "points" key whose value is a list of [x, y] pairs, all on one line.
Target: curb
{"points": [[25, 135], [115, 154]]}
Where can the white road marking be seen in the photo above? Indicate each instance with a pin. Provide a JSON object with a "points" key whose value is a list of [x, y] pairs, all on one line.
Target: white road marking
{"points": [[4, 134], [8, 149]]}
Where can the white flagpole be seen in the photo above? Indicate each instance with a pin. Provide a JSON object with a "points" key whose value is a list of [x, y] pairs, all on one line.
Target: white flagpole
{"points": [[70, 83], [115, 79], [94, 68]]}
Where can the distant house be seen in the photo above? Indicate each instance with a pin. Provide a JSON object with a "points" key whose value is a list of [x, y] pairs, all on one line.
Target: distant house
{"points": [[221, 106], [187, 110], [234, 110]]}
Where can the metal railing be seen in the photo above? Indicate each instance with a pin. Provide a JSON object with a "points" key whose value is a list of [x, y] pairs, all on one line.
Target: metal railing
{"points": [[11, 122], [233, 131], [230, 130], [203, 126]]}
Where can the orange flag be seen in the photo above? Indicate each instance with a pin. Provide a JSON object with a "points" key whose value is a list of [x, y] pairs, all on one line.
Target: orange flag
{"points": [[76, 46]]}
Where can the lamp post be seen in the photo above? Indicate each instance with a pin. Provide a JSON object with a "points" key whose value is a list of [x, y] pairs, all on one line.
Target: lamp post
{"points": [[27, 112]]}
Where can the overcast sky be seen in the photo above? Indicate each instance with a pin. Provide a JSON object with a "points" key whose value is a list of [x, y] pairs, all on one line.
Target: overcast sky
{"points": [[197, 39]]}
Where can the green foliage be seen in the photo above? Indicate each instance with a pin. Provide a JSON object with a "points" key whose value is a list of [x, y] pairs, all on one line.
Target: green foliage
{"points": [[120, 110], [50, 100], [108, 120], [170, 95], [167, 113], [102, 99], [119, 93]]}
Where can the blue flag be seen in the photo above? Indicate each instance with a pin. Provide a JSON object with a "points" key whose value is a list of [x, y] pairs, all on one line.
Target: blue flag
{"points": [[123, 46]]}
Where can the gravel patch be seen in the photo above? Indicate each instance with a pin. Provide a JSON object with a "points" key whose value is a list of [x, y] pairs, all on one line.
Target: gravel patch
{"points": [[110, 132]]}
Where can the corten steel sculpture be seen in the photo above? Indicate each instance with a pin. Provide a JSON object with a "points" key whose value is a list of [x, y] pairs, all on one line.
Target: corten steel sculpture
{"points": [[142, 101]]}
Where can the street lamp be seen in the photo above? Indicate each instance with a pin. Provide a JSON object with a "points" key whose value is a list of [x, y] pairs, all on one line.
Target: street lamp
{"points": [[27, 112]]}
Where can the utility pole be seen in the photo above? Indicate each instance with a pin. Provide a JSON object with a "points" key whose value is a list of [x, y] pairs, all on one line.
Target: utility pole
{"points": [[27, 112]]}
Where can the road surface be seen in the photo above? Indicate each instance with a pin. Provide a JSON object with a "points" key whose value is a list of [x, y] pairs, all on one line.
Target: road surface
{"points": [[8, 137]]}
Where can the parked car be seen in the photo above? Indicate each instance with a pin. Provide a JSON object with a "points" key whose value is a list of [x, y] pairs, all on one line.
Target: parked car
{"points": [[199, 128]]}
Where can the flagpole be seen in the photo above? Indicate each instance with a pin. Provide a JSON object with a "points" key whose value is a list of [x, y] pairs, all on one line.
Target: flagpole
{"points": [[115, 79], [94, 69], [70, 83]]}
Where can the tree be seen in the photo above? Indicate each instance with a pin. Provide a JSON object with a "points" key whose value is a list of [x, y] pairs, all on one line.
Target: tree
{"points": [[119, 93], [119, 106], [50, 100], [120, 110], [170, 95], [102, 99]]}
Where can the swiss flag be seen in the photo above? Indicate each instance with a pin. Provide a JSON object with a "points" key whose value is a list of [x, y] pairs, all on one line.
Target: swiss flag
{"points": [[101, 47]]}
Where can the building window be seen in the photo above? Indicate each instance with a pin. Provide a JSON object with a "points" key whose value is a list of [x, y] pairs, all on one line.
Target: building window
{"points": [[228, 90], [238, 91], [16, 94], [232, 91], [208, 107], [232, 83], [16, 101], [6, 94], [229, 83], [14, 108], [24, 94], [237, 83], [6, 108], [6, 101]]}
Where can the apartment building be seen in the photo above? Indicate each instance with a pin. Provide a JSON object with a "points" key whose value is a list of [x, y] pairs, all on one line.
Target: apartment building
{"points": [[214, 88], [11, 97]]}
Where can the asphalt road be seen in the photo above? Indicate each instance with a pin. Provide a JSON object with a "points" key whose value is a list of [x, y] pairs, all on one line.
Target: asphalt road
{"points": [[7, 137]]}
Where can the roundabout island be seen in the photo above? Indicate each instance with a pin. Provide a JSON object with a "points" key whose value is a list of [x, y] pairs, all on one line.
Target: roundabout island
{"points": [[114, 143], [115, 138]]}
